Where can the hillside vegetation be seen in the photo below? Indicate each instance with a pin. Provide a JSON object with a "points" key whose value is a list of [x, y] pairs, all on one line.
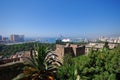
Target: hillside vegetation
{"points": [[97, 65], [7, 50]]}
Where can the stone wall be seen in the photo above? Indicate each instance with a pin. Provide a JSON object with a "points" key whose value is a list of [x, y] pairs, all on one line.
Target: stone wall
{"points": [[74, 50], [8, 72]]}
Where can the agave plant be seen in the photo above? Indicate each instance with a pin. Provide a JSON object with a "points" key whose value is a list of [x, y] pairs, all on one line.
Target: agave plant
{"points": [[42, 65]]}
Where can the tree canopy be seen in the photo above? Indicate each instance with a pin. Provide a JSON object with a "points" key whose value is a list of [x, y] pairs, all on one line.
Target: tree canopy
{"points": [[103, 64], [6, 50]]}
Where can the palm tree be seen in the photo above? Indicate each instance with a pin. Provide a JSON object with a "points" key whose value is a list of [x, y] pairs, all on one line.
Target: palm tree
{"points": [[42, 65]]}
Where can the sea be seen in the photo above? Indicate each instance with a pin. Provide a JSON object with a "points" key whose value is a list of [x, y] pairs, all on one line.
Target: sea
{"points": [[52, 39], [42, 39], [47, 40]]}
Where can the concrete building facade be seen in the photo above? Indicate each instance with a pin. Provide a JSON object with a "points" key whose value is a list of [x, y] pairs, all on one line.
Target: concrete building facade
{"points": [[0, 37], [98, 46], [17, 38]]}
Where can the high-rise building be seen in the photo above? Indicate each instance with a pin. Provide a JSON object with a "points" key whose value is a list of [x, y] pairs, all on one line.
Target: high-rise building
{"points": [[5, 39], [17, 38], [0, 37]]}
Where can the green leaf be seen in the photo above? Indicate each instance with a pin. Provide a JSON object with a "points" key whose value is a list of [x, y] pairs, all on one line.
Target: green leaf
{"points": [[20, 76]]}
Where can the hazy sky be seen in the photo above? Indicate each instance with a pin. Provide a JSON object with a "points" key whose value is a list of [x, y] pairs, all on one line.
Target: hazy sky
{"points": [[51, 18]]}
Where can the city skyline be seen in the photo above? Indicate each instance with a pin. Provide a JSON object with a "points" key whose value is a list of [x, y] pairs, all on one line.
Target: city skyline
{"points": [[51, 18]]}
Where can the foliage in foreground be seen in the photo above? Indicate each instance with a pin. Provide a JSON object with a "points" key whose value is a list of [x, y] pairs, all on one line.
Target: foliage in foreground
{"points": [[101, 65], [40, 65]]}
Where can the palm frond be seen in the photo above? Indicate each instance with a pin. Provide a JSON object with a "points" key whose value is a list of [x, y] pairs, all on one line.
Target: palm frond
{"points": [[20, 76], [40, 63]]}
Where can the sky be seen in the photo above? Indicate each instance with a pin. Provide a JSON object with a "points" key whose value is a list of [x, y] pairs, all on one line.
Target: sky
{"points": [[51, 18]]}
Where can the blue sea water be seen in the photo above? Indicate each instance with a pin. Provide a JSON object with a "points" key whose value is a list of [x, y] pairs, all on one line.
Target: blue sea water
{"points": [[42, 39], [52, 39], [47, 40]]}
